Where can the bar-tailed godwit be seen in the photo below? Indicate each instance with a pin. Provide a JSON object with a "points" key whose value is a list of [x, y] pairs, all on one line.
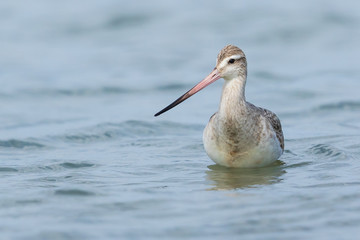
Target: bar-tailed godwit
{"points": [[239, 134]]}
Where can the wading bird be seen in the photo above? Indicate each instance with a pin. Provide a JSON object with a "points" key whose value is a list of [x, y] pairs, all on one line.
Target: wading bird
{"points": [[239, 134]]}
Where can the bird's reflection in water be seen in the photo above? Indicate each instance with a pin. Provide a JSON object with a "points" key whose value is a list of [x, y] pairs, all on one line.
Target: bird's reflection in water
{"points": [[224, 178]]}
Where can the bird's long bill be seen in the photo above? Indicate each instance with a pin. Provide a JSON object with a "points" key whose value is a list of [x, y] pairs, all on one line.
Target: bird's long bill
{"points": [[212, 77]]}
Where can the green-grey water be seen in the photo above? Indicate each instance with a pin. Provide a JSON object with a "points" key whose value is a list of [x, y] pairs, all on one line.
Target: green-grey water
{"points": [[82, 157]]}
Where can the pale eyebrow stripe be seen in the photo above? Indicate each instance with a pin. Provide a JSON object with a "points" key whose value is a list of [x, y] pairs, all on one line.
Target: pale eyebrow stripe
{"points": [[225, 60], [235, 57]]}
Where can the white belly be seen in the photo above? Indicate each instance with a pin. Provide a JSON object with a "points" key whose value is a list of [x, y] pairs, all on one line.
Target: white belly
{"points": [[266, 151]]}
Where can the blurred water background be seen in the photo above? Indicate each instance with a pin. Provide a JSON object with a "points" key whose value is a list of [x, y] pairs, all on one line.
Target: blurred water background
{"points": [[82, 157]]}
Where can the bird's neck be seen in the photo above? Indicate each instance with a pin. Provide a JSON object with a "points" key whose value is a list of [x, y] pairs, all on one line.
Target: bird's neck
{"points": [[233, 97]]}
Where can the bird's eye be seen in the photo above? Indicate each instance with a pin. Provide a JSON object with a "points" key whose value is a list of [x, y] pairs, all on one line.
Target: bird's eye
{"points": [[231, 60]]}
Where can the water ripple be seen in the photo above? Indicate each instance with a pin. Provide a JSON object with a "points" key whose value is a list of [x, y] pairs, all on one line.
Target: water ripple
{"points": [[326, 150], [8, 169], [331, 185], [73, 192], [78, 92], [344, 105], [108, 131], [75, 165], [14, 143], [61, 166]]}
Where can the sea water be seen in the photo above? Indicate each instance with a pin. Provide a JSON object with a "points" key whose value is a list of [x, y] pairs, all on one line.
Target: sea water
{"points": [[82, 157]]}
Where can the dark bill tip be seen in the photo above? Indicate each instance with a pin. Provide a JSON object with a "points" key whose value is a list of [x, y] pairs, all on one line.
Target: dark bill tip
{"points": [[175, 103], [212, 77]]}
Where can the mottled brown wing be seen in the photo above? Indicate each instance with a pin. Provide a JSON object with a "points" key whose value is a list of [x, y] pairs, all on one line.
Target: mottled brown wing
{"points": [[275, 123]]}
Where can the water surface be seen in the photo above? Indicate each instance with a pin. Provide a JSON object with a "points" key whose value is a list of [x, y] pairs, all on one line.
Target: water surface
{"points": [[82, 157]]}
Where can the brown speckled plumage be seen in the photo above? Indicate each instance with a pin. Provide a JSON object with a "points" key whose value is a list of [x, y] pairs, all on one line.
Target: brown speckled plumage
{"points": [[227, 51], [274, 122]]}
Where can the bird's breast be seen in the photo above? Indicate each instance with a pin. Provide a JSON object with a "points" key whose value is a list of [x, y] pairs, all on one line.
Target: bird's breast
{"points": [[234, 143]]}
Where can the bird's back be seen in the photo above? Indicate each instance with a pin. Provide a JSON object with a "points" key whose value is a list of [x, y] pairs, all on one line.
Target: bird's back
{"points": [[273, 120]]}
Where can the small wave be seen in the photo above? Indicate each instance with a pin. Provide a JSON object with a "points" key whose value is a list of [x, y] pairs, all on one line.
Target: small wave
{"points": [[333, 184], [8, 169], [73, 192], [76, 165], [301, 164], [346, 105], [79, 92], [13, 143], [326, 151], [67, 165], [108, 131]]}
